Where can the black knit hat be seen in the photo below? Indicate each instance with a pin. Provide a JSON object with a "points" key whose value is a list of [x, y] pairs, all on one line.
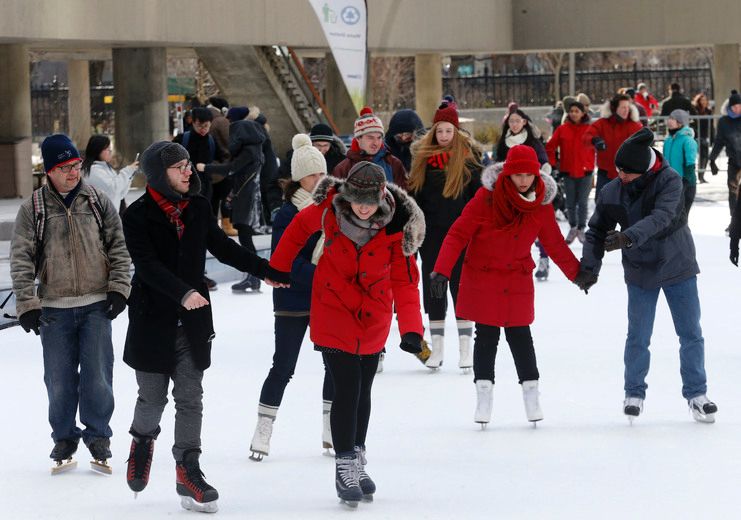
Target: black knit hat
{"points": [[365, 184], [734, 99], [321, 132], [154, 163], [635, 154]]}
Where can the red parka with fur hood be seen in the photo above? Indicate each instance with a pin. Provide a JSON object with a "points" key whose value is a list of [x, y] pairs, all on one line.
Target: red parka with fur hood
{"points": [[614, 131]]}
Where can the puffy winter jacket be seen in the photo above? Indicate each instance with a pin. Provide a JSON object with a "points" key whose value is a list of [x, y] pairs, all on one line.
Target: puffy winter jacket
{"points": [[355, 289], [728, 136], [576, 152], [496, 286], [680, 151], [614, 131]]}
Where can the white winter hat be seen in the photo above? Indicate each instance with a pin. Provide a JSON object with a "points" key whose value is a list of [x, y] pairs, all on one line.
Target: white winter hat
{"points": [[306, 159]]}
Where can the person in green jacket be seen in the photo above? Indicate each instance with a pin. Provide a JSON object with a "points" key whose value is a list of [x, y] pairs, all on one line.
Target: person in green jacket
{"points": [[680, 150]]}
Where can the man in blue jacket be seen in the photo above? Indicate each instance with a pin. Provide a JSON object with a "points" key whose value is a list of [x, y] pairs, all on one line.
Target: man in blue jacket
{"points": [[658, 254]]}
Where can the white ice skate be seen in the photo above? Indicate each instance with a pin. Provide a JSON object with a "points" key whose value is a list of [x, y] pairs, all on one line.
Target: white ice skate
{"points": [[260, 446], [327, 429], [703, 409], [435, 360], [465, 361], [484, 399], [632, 408], [531, 396]]}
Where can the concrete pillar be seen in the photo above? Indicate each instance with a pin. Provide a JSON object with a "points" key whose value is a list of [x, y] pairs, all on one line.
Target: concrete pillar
{"points": [[337, 98], [725, 71], [15, 132], [78, 102], [140, 100], [428, 85]]}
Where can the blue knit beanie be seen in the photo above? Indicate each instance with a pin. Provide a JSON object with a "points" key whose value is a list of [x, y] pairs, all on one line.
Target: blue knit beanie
{"points": [[58, 150]]}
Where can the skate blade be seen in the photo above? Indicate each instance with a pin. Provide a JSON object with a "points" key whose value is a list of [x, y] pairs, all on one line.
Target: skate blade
{"points": [[201, 507], [328, 452], [62, 466], [704, 418], [257, 456], [101, 466], [483, 424], [367, 498], [465, 370], [352, 504]]}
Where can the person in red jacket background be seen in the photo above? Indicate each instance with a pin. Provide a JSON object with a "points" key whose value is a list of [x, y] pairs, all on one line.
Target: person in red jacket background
{"points": [[499, 227], [644, 98], [618, 122], [372, 230], [576, 164]]}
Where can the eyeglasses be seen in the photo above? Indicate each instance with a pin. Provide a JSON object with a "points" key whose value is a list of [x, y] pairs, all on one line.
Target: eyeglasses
{"points": [[183, 167], [68, 168]]}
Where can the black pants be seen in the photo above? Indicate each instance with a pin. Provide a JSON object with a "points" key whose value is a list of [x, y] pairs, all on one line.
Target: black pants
{"points": [[289, 333], [520, 343], [436, 308], [220, 190], [352, 376], [245, 237], [689, 191]]}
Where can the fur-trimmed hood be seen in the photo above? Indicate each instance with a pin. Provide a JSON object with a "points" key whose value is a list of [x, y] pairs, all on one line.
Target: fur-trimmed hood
{"points": [[605, 111], [408, 218], [491, 174]]}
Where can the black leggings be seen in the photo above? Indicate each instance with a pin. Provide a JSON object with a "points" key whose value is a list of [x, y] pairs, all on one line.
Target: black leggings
{"points": [[352, 376], [220, 190], [520, 343], [245, 234], [436, 308]]}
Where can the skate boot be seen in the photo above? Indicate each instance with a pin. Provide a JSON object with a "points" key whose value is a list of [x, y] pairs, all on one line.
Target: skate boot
{"points": [[465, 360], [571, 236], [260, 446], [632, 408], [703, 409], [531, 396], [195, 493], [211, 285], [139, 463], [542, 273], [580, 235], [62, 455], [327, 428], [347, 479], [425, 354], [379, 368], [100, 450], [367, 486], [248, 284], [436, 357], [484, 401]]}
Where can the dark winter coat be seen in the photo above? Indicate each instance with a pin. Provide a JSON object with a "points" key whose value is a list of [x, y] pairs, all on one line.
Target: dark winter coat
{"points": [[728, 136], [496, 286], [383, 158], [356, 289], [297, 297], [166, 269], [404, 120], [576, 152], [650, 211], [614, 131], [676, 101], [533, 140]]}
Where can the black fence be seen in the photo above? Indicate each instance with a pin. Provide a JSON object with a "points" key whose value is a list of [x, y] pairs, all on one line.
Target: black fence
{"points": [[49, 110], [539, 89]]}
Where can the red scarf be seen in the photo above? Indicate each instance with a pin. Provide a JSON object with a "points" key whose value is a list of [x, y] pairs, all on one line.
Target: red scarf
{"points": [[439, 160], [509, 208], [172, 210]]}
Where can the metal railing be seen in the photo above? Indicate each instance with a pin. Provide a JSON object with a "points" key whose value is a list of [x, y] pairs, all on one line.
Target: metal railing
{"points": [[704, 128]]}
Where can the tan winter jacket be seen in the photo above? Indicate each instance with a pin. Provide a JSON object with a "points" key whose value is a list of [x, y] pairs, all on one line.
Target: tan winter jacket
{"points": [[76, 259]]}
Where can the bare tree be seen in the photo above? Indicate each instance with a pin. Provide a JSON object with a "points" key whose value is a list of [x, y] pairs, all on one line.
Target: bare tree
{"points": [[554, 62]]}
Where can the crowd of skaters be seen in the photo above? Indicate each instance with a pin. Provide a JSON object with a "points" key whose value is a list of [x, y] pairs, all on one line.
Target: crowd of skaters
{"points": [[349, 226]]}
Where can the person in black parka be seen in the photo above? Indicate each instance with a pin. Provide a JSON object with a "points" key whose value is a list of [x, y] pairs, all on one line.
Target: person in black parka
{"points": [[404, 127]]}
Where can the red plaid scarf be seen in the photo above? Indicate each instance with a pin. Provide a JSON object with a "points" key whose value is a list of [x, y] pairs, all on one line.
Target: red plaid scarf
{"points": [[439, 160], [172, 210]]}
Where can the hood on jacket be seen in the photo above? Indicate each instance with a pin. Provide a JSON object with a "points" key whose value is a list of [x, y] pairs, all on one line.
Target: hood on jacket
{"points": [[404, 120], [491, 173], [606, 111], [408, 218], [245, 133], [686, 130]]}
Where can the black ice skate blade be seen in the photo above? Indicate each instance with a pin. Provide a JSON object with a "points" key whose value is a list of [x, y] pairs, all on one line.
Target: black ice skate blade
{"points": [[101, 466], [351, 504], [62, 466], [257, 456], [201, 507]]}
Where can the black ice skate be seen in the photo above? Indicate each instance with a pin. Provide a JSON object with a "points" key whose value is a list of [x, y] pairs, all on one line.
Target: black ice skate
{"points": [[100, 450], [62, 456], [195, 493], [139, 463], [367, 486], [248, 284], [703, 409], [632, 408], [347, 480]]}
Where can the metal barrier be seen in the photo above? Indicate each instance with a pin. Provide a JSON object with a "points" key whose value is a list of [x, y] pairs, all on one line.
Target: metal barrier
{"points": [[704, 127]]}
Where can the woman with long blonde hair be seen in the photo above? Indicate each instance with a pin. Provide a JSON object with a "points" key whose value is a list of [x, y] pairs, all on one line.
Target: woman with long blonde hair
{"points": [[445, 175]]}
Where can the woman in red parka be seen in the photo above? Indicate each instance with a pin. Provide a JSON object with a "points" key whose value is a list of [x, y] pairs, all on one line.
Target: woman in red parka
{"points": [[372, 230], [499, 227], [576, 163]]}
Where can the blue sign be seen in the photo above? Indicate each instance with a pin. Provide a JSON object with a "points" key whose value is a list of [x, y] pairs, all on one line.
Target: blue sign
{"points": [[350, 15]]}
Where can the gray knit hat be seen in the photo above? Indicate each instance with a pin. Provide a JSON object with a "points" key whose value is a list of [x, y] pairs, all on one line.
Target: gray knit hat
{"points": [[365, 184], [154, 163], [680, 116]]}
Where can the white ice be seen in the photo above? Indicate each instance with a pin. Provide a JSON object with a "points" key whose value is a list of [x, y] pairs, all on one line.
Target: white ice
{"points": [[427, 456]]}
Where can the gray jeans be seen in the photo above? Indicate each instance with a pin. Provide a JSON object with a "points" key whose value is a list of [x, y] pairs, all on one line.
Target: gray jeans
{"points": [[187, 392], [577, 199]]}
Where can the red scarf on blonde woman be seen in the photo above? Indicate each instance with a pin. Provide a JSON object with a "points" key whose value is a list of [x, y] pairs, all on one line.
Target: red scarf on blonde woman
{"points": [[509, 207]]}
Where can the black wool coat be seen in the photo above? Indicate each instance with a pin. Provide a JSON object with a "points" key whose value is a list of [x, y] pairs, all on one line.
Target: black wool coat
{"points": [[166, 269]]}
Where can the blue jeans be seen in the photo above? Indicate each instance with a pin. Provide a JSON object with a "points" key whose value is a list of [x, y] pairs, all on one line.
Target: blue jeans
{"points": [[78, 370], [577, 196], [684, 305]]}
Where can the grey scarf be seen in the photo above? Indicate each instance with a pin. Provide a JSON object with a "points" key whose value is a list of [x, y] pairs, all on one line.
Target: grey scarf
{"points": [[358, 230]]}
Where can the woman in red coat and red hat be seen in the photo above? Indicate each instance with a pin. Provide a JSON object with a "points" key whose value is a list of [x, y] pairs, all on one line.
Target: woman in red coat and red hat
{"points": [[499, 227], [372, 230]]}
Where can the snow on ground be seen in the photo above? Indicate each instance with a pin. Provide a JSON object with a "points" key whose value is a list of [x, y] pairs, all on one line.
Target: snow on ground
{"points": [[427, 456]]}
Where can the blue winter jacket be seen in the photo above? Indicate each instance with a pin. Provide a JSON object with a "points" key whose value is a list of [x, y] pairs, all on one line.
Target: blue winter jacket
{"points": [[650, 211], [680, 151], [296, 298]]}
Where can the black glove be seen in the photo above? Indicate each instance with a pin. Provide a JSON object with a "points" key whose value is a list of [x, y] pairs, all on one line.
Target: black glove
{"points": [[617, 240], [599, 144], [277, 276], [713, 167], [438, 285], [411, 342], [585, 280], [115, 305], [734, 251], [31, 320]]}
